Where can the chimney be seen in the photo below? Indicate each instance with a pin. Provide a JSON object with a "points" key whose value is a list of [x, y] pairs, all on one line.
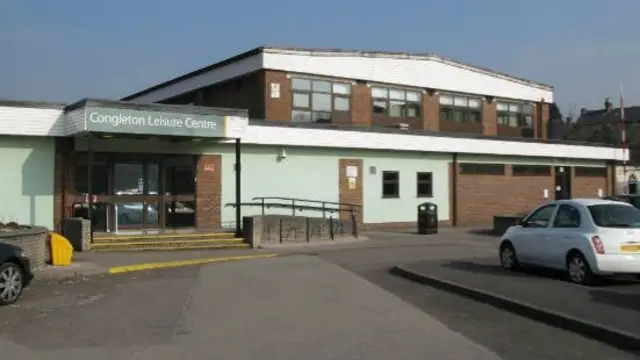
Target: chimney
{"points": [[583, 111], [608, 105]]}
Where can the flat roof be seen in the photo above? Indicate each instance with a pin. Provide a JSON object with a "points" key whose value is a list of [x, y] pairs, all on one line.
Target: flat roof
{"points": [[328, 52]]}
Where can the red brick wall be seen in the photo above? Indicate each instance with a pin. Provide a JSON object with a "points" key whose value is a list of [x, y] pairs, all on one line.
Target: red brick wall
{"points": [[587, 186], [430, 111], [278, 108], [208, 191], [480, 197], [489, 117]]}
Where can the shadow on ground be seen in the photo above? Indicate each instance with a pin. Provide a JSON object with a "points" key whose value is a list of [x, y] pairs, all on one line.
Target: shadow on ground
{"points": [[485, 232], [617, 299], [488, 268]]}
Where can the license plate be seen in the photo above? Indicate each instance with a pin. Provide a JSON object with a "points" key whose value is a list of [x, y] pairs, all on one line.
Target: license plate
{"points": [[630, 248]]}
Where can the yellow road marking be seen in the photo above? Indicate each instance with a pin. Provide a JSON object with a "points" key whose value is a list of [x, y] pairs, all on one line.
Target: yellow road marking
{"points": [[180, 263]]}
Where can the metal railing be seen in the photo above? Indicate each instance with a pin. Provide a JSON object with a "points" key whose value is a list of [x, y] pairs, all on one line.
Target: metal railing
{"points": [[333, 225], [297, 204]]}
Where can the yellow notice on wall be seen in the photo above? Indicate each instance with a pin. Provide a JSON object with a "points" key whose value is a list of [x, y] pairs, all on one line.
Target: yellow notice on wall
{"points": [[352, 183]]}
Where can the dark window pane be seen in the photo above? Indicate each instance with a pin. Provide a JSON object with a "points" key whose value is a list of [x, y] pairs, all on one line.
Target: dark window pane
{"points": [[390, 184], [474, 116], [413, 110], [482, 169], [100, 179], [424, 184], [615, 216], [531, 170], [379, 107], [590, 171], [396, 108]]}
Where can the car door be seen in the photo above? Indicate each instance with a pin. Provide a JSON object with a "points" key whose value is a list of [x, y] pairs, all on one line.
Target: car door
{"points": [[565, 231], [531, 238]]}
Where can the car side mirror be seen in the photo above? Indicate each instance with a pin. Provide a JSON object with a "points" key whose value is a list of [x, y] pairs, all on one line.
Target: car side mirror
{"points": [[518, 221]]}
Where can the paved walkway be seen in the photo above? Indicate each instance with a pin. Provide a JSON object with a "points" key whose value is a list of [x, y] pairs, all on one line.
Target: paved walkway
{"points": [[283, 308]]}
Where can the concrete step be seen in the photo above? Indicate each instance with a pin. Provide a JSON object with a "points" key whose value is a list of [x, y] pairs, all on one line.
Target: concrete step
{"points": [[169, 245], [164, 237]]}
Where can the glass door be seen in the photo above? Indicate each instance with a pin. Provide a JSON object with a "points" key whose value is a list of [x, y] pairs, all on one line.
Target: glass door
{"points": [[180, 192], [135, 195]]}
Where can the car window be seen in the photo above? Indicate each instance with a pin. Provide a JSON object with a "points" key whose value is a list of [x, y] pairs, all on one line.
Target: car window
{"points": [[567, 217], [541, 217], [615, 215]]}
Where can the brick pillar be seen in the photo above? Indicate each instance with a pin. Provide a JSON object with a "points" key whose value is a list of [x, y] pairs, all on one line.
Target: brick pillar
{"points": [[430, 111], [540, 120], [361, 105], [489, 117], [348, 193], [64, 177], [208, 191], [280, 108]]}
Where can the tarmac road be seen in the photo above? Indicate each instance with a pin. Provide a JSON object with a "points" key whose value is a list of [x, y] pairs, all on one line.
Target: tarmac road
{"points": [[283, 308]]}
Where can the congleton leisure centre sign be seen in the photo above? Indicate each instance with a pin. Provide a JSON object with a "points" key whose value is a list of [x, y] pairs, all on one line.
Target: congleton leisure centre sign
{"points": [[114, 120]]}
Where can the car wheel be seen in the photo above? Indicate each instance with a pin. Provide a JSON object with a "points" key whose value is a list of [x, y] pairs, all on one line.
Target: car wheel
{"points": [[11, 283], [508, 258], [579, 270]]}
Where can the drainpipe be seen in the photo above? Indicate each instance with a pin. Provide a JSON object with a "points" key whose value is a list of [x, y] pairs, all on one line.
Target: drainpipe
{"points": [[454, 190], [238, 170]]}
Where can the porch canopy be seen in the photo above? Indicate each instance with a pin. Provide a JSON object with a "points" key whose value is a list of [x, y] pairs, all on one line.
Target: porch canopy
{"points": [[92, 118], [126, 118]]}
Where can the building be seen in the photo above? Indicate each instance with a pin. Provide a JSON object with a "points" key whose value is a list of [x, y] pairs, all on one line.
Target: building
{"points": [[382, 131], [603, 126]]}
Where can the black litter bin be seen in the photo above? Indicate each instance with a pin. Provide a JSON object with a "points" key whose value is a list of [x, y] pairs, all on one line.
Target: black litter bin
{"points": [[427, 218]]}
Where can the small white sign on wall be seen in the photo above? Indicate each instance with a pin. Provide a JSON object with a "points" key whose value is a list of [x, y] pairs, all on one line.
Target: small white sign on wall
{"points": [[352, 171], [600, 193], [275, 90], [545, 193]]}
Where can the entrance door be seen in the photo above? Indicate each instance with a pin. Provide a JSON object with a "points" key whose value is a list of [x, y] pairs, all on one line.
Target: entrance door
{"points": [[180, 192], [135, 194], [563, 182]]}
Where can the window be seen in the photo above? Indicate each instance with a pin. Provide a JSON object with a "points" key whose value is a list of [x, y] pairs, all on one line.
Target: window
{"points": [[541, 217], [531, 170], [460, 108], [615, 216], [590, 171], [396, 103], [482, 169], [515, 115], [99, 178], [567, 217], [316, 100], [425, 184], [390, 184]]}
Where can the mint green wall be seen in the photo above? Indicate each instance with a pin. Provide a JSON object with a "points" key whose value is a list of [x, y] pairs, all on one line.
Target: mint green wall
{"points": [[26, 180], [519, 160], [404, 208], [305, 173], [313, 174]]}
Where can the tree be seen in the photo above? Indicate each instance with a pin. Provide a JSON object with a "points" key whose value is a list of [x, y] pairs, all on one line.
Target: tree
{"points": [[554, 112]]}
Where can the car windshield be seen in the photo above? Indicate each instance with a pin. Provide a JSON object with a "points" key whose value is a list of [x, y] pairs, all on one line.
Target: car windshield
{"points": [[615, 215]]}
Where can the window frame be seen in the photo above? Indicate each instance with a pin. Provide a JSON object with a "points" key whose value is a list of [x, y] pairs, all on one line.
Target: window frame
{"points": [[388, 100], [419, 181], [555, 218], [396, 182], [465, 110], [519, 114], [590, 171], [314, 114], [519, 170], [477, 169], [527, 223]]}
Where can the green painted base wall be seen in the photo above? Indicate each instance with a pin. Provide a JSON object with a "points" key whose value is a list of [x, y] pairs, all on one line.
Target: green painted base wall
{"points": [[26, 180], [313, 174]]}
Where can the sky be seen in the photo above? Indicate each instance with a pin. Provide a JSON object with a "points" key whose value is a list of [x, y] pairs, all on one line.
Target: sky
{"points": [[67, 50]]}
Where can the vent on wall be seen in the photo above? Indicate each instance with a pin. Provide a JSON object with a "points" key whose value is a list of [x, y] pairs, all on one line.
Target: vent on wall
{"points": [[373, 170]]}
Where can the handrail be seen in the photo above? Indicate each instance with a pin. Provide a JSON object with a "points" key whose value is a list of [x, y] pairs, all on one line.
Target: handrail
{"points": [[291, 204], [350, 207], [304, 200]]}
